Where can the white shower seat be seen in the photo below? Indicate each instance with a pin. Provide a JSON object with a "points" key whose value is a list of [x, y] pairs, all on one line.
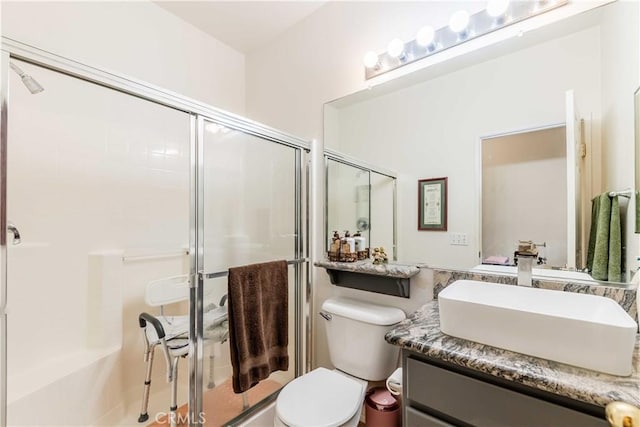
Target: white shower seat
{"points": [[171, 333]]}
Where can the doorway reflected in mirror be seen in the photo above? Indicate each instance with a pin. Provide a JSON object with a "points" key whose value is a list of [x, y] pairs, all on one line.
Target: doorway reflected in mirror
{"points": [[524, 195]]}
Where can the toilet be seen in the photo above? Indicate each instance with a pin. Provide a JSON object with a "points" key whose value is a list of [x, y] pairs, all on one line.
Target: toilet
{"points": [[326, 398]]}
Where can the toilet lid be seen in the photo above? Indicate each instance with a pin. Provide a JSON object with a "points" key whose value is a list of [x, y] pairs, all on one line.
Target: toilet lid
{"points": [[319, 398]]}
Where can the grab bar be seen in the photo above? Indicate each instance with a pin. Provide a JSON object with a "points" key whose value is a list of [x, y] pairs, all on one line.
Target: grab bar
{"points": [[226, 272], [134, 258]]}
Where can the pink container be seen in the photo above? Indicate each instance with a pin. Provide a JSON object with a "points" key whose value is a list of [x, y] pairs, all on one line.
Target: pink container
{"points": [[381, 408]]}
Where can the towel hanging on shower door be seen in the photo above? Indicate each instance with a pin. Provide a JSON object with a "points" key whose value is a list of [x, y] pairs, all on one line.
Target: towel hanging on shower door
{"points": [[258, 322]]}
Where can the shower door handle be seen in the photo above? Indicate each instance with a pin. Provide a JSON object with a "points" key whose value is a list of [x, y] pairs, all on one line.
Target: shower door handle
{"points": [[16, 233]]}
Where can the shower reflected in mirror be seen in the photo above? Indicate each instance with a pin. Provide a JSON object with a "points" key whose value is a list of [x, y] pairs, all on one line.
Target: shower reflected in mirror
{"points": [[360, 199]]}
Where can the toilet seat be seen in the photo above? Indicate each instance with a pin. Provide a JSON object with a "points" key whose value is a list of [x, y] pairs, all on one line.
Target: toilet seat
{"points": [[319, 398]]}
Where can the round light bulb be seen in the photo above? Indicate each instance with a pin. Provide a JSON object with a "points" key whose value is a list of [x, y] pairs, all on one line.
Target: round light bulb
{"points": [[459, 21], [370, 59], [395, 48], [497, 8], [425, 36]]}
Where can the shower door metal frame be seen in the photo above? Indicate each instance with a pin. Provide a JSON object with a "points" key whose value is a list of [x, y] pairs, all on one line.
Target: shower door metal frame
{"points": [[4, 115], [14, 49], [301, 210]]}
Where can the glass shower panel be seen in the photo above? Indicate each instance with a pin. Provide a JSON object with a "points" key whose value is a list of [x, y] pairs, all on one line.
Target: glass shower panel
{"points": [[249, 217], [98, 185], [383, 212], [347, 200]]}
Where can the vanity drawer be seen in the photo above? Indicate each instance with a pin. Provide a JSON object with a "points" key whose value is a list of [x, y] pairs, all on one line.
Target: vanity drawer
{"points": [[418, 419], [480, 404]]}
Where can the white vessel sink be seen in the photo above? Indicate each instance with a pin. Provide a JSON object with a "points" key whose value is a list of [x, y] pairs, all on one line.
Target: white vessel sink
{"points": [[583, 330]]}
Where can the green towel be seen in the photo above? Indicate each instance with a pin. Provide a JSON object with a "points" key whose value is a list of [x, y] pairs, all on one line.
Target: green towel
{"points": [[604, 257], [595, 209], [615, 243]]}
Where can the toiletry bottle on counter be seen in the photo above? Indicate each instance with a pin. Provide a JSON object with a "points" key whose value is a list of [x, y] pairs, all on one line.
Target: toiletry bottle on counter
{"points": [[361, 242], [350, 240], [335, 244], [344, 246]]}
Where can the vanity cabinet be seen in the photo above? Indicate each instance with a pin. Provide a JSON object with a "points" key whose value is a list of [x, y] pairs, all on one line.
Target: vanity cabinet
{"points": [[438, 394]]}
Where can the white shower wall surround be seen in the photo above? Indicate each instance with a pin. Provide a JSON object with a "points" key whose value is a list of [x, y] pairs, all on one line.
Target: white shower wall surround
{"points": [[97, 176]]}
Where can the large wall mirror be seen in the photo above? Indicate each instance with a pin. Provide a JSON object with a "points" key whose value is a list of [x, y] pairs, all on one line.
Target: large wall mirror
{"points": [[440, 122]]}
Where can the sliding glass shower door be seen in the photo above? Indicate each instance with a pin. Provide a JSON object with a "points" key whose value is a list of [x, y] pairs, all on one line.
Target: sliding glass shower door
{"points": [[249, 211]]}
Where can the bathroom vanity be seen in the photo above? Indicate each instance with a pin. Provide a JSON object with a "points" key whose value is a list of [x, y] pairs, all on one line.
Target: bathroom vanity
{"points": [[451, 381]]}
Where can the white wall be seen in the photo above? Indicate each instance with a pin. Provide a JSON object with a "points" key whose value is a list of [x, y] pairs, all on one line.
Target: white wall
{"points": [[136, 38], [620, 75], [320, 58]]}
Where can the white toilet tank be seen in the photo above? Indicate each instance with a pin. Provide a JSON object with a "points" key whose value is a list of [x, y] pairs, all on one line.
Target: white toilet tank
{"points": [[355, 332]]}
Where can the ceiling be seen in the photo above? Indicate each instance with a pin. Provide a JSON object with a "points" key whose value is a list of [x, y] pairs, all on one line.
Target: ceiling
{"points": [[243, 25]]}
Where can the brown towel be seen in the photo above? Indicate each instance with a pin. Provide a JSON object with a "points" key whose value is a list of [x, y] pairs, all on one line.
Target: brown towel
{"points": [[258, 322]]}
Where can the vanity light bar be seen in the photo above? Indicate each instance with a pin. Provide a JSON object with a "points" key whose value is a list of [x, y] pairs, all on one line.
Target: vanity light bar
{"points": [[479, 24]]}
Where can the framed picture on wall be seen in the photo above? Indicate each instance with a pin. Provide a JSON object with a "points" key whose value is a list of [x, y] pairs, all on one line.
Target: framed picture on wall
{"points": [[432, 204]]}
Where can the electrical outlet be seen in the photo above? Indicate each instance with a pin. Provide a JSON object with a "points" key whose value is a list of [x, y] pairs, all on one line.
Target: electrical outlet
{"points": [[458, 239]]}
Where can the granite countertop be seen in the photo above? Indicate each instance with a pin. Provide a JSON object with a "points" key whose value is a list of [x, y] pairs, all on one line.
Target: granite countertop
{"points": [[391, 269], [420, 332]]}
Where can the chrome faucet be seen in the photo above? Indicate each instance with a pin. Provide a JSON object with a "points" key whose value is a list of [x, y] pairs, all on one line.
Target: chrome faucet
{"points": [[526, 254]]}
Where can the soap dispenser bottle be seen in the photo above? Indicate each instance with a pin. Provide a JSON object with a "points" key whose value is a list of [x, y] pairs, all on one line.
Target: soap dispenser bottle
{"points": [[335, 243], [361, 242], [350, 241]]}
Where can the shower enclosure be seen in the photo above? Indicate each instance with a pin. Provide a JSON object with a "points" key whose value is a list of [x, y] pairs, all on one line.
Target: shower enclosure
{"points": [[113, 183]]}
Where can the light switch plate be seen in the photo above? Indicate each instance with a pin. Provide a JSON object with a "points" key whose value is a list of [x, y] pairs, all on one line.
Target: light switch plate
{"points": [[459, 239]]}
